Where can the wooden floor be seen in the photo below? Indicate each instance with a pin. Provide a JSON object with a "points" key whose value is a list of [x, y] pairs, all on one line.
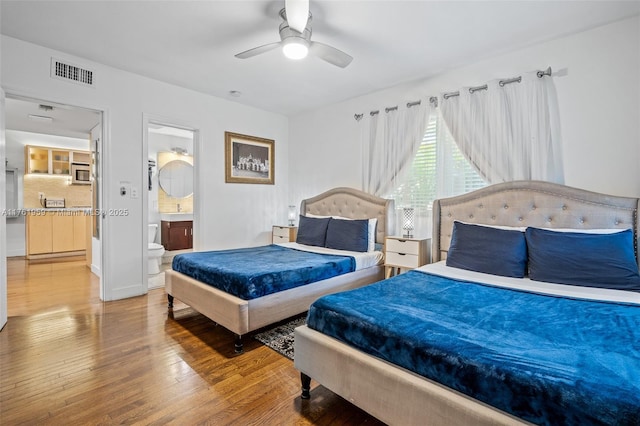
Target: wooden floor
{"points": [[66, 358]]}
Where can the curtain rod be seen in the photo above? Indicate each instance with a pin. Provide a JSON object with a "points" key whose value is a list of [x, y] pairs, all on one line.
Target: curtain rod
{"points": [[358, 117], [433, 100], [502, 83]]}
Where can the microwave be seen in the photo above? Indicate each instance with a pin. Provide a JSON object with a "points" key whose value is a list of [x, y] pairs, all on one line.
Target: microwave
{"points": [[80, 173]]}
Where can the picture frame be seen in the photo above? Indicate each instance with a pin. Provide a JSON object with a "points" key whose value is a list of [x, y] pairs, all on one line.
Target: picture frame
{"points": [[249, 159]]}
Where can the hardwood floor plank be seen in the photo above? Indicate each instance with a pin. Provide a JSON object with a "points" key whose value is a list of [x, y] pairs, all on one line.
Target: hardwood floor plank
{"points": [[68, 358]]}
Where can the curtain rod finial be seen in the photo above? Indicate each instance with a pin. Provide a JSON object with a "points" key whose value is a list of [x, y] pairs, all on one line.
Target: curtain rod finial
{"points": [[545, 72], [358, 117]]}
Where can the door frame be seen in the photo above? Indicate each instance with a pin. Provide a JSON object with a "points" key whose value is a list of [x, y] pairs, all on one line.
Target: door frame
{"points": [[105, 260], [3, 220], [147, 119]]}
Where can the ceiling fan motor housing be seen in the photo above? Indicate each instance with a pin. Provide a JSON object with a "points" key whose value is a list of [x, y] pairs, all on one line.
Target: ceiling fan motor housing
{"points": [[289, 35]]}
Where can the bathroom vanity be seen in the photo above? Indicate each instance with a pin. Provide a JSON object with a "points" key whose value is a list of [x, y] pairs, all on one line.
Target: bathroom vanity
{"points": [[176, 231]]}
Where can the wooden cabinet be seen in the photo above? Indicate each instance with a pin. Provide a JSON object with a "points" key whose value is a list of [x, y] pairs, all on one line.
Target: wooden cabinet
{"points": [[37, 159], [283, 234], [62, 233], [39, 235], [80, 232], [60, 162], [82, 157], [53, 161], [405, 253], [56, 233], [176, 235]]}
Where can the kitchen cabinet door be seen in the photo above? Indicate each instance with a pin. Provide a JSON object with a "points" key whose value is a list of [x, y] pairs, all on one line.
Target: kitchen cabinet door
{"points": [[39, 237], [62, 233]]}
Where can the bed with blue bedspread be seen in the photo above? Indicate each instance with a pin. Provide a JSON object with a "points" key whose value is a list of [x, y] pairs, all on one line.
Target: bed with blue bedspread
{"points": [[249, 288], [253, 272], [518, 322]]}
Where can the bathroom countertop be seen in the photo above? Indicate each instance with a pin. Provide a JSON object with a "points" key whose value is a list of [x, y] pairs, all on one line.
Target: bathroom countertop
{"points": [[176, 217]]}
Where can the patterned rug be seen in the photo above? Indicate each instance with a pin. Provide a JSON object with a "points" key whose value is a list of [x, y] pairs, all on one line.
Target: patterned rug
{"points": [[280, 337]]}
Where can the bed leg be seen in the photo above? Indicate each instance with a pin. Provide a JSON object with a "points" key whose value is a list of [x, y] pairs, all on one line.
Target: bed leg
{"points": [[306, 386], [238, 344], [170, 301]]}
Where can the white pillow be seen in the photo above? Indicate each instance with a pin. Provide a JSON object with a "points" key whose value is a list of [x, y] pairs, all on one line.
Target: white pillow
{"points": [[372, 228], [524, 228], [506, 228], [586, 231]]}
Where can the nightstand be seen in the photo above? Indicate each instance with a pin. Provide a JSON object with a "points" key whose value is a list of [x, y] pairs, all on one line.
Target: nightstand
{"points": [[405, 253], [283, 234]]}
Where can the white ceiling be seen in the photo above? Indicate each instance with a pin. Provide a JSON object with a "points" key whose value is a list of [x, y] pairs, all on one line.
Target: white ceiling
{"points": [[192, 43], [65, 121]]}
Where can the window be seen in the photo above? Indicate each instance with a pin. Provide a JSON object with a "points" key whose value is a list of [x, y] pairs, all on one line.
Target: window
{"points": [[439, 170]]}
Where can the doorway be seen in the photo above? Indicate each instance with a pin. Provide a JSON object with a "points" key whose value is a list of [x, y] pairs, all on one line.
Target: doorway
{"points": [[171, 197], [44, 140]]}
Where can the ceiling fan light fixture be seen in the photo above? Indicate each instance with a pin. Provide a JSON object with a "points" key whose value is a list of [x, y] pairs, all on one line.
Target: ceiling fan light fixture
{"points": [[295, 38], [295, 49]]}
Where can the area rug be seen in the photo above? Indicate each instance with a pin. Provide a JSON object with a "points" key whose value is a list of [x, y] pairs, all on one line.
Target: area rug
{"points": [[280, 337]]}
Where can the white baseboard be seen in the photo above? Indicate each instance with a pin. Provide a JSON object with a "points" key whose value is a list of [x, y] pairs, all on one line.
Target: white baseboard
{"points": [[95, 270], [16, 253]]}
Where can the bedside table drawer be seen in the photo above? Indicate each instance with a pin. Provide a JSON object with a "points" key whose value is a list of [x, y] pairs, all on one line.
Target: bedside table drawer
{"points": [[403, 246], [402, 260], [283, 234], [277, 239], [281, 231], [405, 253]]}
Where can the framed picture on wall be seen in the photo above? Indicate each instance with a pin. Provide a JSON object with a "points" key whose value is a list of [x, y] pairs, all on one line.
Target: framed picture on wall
{"points": [[248, 159]]}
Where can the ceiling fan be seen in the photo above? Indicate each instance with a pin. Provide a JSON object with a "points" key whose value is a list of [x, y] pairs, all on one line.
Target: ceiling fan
{"points": [[295, 37]]}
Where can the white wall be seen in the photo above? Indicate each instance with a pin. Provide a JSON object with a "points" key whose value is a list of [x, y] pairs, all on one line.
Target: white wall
{"points": [[599, 109], [230, 215]]}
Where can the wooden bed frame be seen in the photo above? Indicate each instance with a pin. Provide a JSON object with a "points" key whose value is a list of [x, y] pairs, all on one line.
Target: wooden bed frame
{"points": [[398, 396], [243, 316]]}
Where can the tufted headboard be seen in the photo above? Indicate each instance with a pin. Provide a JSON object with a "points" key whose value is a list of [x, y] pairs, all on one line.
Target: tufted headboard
{"points": [[532, 203], [353, 204]]}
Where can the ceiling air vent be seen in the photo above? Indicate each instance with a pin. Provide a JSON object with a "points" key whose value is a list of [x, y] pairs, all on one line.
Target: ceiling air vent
{"points": [[69, 72]]}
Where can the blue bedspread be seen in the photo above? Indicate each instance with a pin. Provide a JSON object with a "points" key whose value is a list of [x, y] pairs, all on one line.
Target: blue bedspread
{"points": [[548, 360], [253, 272]]}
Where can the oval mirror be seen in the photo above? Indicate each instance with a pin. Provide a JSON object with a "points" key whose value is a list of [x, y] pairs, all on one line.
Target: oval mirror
{"points": [[176, 178]]}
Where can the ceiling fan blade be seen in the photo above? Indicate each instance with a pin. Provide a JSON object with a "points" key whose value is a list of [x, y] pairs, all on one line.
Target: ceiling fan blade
{"points": [[257, 50], [330, 54], [297, 14]]}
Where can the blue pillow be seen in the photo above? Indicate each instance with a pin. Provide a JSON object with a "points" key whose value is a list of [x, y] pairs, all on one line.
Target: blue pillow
{"points": [[312, 231], [352, 235], [489, 250], [576, 258]]}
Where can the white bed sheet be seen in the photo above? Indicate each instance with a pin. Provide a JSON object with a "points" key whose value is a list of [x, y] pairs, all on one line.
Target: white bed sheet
{"points": [[363, 259], [526, 284]]}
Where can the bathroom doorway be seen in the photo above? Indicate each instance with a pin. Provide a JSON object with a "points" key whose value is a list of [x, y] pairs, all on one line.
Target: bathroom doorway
{"points": [[170, 179]]}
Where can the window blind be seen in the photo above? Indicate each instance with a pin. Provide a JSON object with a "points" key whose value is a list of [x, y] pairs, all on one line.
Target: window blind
{"points": [[438, 170]]}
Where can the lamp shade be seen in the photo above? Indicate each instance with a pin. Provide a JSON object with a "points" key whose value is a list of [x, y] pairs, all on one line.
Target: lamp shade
{"points": [[292, 215], [408, 214]]}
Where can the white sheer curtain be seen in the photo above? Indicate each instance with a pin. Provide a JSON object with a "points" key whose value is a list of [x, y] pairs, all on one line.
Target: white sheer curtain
{"points": [[508, 132], [390, 145]]}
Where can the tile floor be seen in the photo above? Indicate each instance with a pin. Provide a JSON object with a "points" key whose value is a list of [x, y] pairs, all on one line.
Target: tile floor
{"points": [[157, 280]]}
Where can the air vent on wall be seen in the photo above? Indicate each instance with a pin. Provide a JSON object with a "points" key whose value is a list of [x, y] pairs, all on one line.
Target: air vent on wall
{"points": [[72, 73]]}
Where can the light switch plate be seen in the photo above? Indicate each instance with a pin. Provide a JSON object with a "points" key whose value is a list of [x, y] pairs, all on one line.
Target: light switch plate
{"points": [[125, 188]]}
